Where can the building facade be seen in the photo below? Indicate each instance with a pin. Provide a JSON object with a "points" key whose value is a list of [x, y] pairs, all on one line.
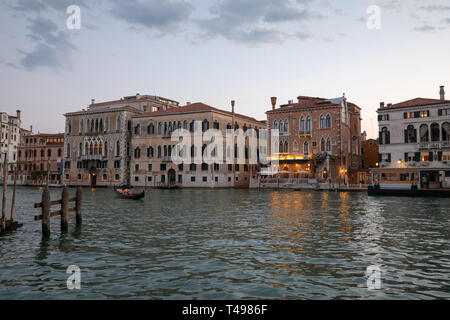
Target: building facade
{"points": [[416, 134], [152, 148], [319, 139], [40, 158], [10, 138], [97, 140]]}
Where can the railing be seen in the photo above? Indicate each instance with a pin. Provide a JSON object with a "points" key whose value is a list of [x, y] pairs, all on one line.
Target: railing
{"points": [[304, 132], [91, 157]]}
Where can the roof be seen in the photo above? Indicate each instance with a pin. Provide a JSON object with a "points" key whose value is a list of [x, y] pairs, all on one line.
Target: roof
{"points": [[100, 110], [305, 102], [195, 107], [134, 99], [417, 102]]}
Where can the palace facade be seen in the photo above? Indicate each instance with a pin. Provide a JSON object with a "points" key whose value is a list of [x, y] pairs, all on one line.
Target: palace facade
{"points": [[97, 144], [152, 148], [10, 138], [415, 134], [40, 158], [319, 139]]}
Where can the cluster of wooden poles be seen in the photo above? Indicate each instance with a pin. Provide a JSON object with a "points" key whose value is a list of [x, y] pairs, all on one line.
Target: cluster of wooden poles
{"points": [[8, 224]]}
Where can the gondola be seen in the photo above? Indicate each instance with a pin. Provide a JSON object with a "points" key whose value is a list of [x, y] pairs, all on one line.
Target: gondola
{"points": [[130, 195]]}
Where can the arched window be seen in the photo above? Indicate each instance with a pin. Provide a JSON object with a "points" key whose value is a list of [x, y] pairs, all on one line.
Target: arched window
{"points": [[165, 151], [385, 136], [306, 148], [150, 152], [49, 153], [42, 153], [411, 136], [446, 131], [322, 121], [137, 153], [179, 125], [424, 135], [137, 129], [229, 126], [308, 125], [118, 148], [302, 125], [106, 149], [435, 132], [159, 151], [286, 147], [185, 124], [295, 146], [275, 125], [281, 147], [328, 121], [165, 128], [151, 129], [118, 123], [170, 128], [159, 128], [286, 126], [59, 152], [322, 144], [328, 145]]}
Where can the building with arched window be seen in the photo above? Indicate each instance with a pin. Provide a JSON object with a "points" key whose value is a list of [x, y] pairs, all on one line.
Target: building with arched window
{"points": [[104, 130], [419, 131], [198, 119], [49, 158], [324, 133]]}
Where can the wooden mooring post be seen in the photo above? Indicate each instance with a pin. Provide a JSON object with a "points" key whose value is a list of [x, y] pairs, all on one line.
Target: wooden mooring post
{"points": [[46, 204]]}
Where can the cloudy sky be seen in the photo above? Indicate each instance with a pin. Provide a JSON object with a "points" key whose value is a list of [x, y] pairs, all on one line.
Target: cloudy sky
{"points": [[215, 51]]}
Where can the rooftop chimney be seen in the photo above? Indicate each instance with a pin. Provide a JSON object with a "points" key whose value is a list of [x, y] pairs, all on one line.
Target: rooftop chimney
{"points": [[232, 106], [18, 114], [273, 100], [92, 101], [389, 104], [442, 93], [138, 96], [31, 129], [381, 104], [289, 101]]}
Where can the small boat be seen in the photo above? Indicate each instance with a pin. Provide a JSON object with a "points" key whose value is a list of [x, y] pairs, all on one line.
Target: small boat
{"points": [[128, 194]]}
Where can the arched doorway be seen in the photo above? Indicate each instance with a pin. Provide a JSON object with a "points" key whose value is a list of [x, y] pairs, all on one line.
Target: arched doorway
{"points": [[172, 177], [93, 176]]}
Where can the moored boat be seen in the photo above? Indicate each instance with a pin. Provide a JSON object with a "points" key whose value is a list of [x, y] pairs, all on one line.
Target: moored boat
{"points": [[128, 194]]}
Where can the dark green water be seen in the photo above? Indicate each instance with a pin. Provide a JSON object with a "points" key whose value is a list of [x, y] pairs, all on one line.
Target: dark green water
{"points": [[232, 244]]}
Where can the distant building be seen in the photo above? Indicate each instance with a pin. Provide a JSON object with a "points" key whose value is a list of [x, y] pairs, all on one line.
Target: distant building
{"points": [[10, 138], [152, 148], [416, 134], [319, 139], [97, 139], [40, 158]]}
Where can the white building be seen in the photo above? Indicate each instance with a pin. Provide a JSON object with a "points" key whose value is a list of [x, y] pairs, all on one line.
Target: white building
{"points": [[10, 137], [416, 134]]}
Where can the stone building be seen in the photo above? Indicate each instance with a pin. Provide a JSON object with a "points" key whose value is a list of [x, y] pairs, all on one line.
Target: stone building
{"points": [[152, 148], [10, 138], [97, 140], [319, 139], [40, 158], [416, 134]]}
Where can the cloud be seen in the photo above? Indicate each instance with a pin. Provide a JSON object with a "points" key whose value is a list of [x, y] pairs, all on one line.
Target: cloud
{"points": [[254, 21], [42, 5], [425, 28], [435, 8], [52, 49], [162, 16]]}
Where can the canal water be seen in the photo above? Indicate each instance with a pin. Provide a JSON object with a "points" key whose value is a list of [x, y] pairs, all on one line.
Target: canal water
{"points": [[232, 244]]}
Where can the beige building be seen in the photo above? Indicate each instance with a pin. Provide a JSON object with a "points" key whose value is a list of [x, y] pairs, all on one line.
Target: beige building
{"points": [[10, 138], [97, 140], [152, 148]]}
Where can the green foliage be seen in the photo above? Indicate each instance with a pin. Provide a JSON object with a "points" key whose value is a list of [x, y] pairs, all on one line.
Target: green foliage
{"points": [[37, 175]]}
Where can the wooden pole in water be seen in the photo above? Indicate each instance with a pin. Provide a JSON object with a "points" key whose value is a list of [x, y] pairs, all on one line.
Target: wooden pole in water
{"points": [[13, 202], [78, 202], [5, 177], [65, 210], [46, 212]]}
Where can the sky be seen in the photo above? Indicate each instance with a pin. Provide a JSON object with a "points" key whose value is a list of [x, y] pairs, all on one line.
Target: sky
{"points": [[215, 51]]}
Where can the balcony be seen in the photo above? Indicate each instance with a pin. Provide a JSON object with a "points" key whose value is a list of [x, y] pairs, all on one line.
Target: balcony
{"points": [[91, 157], [284, 134], [166, 135], [434, 145], [304, 133]]}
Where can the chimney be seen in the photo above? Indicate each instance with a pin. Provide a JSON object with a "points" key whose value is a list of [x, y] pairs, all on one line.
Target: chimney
{"points": [[31, 129], [92, 101], [289, 101], [442, 93], [138, 96], [232, 106], [381, 104], [18, 114], [273, 100], [188, 103], [389, 104]]}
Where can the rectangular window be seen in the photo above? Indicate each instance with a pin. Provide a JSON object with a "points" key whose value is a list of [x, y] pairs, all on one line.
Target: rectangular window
{"points": [[136, 167], [162, 167], [136, 178], [149, 179], [205, 179], [192, 179], [163, 178], [149, 167]]}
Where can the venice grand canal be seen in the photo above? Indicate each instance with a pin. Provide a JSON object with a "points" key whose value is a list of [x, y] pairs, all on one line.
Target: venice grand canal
{"points": [[232, 244]]}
